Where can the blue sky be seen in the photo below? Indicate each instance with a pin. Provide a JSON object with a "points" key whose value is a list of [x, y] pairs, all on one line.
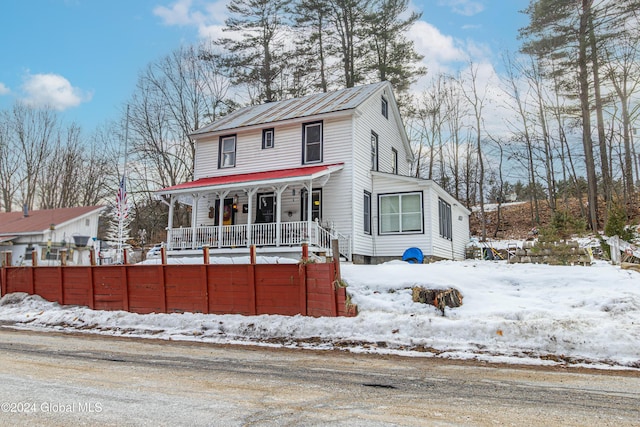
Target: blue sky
{"points": [[83, 56]]}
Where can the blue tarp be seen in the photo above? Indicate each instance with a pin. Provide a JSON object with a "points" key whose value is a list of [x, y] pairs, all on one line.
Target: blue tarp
{"points": [[413, 256]]}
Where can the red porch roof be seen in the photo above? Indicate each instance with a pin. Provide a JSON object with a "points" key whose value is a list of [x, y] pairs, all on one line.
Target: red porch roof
{"points": [[309, 172]]}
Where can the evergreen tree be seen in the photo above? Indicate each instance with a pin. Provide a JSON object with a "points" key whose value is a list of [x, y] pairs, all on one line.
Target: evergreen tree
{"points": [[347, 18], [313, 48], [559, 30], [392, 56], [259, 57]]}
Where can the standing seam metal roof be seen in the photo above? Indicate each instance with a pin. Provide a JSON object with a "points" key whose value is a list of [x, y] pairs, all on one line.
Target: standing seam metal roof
{"points": [[322, 103]]}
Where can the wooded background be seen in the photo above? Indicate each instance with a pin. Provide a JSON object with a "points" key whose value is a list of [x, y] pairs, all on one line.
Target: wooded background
{"points": [[555, 127]]}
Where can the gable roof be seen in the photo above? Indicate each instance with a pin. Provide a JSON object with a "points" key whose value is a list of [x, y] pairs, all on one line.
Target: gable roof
{"points": [[15, 223], [307, 106], [255, 178]]}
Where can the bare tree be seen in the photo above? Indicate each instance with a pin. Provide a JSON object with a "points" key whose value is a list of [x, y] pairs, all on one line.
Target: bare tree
{"points": [[622, 70], [476, 98], [33, 129], [9, 164]]}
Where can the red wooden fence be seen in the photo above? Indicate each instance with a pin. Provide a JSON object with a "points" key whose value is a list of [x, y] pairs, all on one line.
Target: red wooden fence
{"points": [[250, 289]]}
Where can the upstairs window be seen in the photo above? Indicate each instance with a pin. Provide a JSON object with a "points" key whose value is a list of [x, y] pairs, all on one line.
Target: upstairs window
{"points": [[227, 157], [374, 151], [312, 142], [385, 108], [394, 161], [267, 138]]}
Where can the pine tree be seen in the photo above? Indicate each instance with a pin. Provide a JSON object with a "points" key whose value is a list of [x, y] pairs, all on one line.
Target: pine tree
{"points": [[313, 47], [259, 57], [392, 56]]}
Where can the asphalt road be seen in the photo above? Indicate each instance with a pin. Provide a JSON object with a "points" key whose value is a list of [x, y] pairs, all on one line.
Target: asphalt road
{"points": [[74, 379]]}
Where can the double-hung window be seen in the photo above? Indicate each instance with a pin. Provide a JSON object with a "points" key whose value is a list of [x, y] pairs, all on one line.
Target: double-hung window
{"points": [[312, 142], [385, 108], [400, 213], [374, 151], [394, 161], [444, 216], [227, 157], [367, 212], [267, 138]]}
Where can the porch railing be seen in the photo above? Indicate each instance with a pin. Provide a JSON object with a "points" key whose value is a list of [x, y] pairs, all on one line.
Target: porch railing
{"points": [[268, 234]]}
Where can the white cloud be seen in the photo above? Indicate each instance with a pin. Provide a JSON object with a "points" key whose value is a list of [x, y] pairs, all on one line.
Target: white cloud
{"points": [[3, 89], [176, 14], [463, 7], [52, 90], [209, 19], [438, 49]]}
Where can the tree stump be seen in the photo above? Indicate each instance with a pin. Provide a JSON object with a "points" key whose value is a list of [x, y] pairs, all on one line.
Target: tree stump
{"points": [[439, 298]]}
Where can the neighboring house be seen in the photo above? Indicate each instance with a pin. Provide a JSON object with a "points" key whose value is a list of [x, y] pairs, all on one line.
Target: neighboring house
{"points": [[48, 232], [328, 166]]}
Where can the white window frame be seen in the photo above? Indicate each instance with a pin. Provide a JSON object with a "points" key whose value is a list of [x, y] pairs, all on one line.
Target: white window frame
{"points": [[374, 151], [385, 107], [367, 213], [399, 214], [227, 153], [394, 161], [268, 138]]}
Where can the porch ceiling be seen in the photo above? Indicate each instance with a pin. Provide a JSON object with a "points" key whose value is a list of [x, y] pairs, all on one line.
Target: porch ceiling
{"points": [[255, 179]]}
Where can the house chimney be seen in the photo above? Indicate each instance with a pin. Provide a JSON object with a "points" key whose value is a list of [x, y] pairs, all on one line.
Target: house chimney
{"points": [[25, 210]]}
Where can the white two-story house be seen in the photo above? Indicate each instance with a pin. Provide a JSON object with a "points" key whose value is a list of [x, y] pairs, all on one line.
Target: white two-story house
{"points": [[328, 166]]}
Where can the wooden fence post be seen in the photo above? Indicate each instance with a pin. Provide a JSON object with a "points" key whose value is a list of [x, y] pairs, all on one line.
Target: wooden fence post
{"points": [[304, 294], [3, 280], [63, 257], [335, 246], [34, 258], [125, 302], [251, 279], [205, 254], [163, 282]]}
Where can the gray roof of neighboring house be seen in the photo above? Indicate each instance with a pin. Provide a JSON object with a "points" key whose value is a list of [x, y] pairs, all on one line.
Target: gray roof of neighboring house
{"points": [[341, 100]]}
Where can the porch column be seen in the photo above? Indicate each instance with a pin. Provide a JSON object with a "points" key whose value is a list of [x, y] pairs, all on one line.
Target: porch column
{"points": [[221, 197], [279, 191], [309, 209], [170, 221], [250, 193], [194, 219]]}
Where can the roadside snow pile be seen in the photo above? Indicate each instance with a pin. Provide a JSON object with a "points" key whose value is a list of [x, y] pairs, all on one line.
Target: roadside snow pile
{"points": [[515, 313]]}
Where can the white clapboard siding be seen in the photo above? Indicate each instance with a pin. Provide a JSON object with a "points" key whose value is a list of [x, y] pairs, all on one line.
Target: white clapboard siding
{"points": [[286, 152], [389, 130], [346, 140], [445, 248]]}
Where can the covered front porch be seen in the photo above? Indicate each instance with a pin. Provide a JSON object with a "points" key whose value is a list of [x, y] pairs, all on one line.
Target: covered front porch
{"points": [[276, 211]]}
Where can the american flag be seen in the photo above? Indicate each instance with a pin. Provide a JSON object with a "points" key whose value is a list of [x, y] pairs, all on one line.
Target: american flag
{"points": [[122, 207]]}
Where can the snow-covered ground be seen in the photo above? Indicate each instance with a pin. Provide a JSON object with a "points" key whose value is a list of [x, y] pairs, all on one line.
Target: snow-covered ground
{"points": [[520, 313]]}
